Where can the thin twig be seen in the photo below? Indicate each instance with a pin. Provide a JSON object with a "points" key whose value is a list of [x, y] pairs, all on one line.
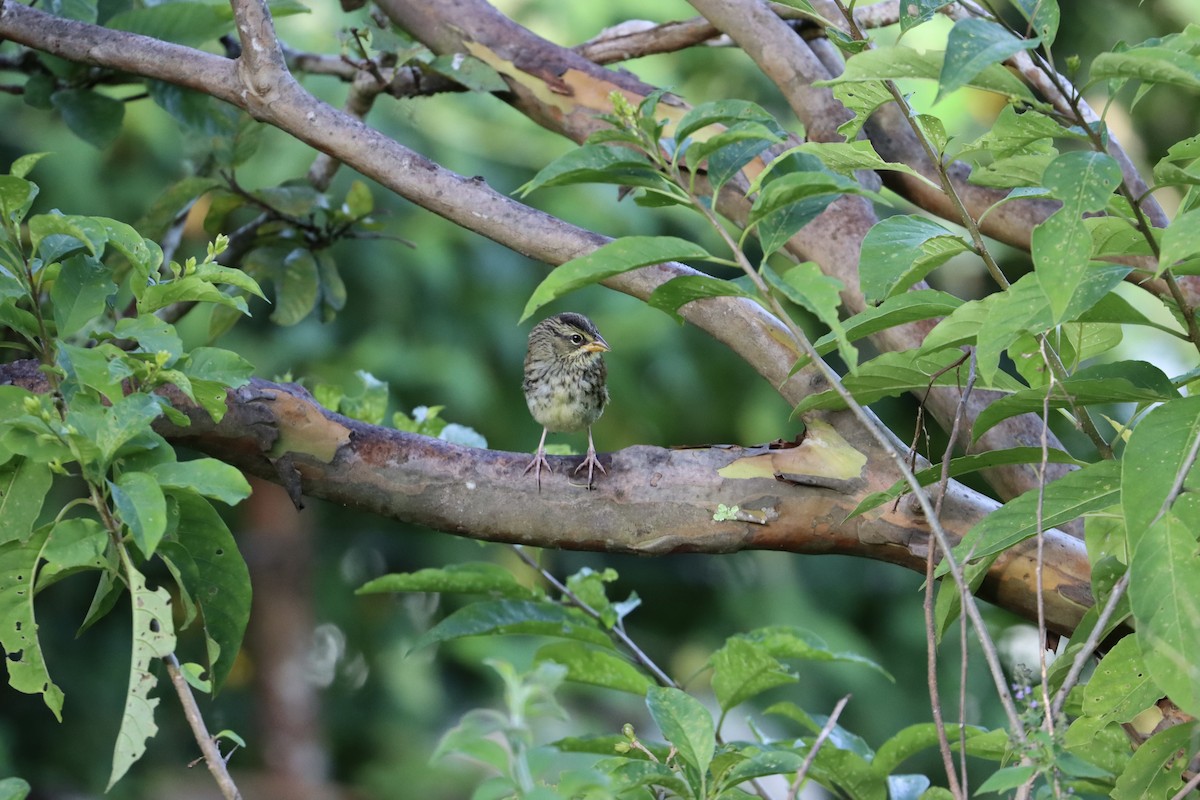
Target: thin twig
{"points": [[617, 631], [816, 745], [1041, 542], [1190, 786], [208, 745], [1089, 646]]}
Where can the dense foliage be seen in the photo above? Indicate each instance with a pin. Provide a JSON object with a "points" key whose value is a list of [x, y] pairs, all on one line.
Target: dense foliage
{"points": [[119, 347]]}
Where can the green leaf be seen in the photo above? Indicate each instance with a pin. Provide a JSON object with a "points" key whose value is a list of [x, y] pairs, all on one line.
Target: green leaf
{"points": [[297, 288], [1151, 64], [153, 638], [471, 72], [359, 201], [597, 163], [151, 334], [1120, 688], [1007, 778], [22, 166], [786, 203], [1043, 16], [1155, 769], [595, 667], [1181, 240], [847, 157], [18, 627], [891, 375], [91, 116], [142, 507], [900, 309], [791, 642], [1092, 488], [1164, 584], [727, 112], [915, 739], [901, 250], [186, 289], [621, 255], [477, 577], [128, 417], [47, 232], [13, 789], [24, 483], [898, 62], [1062, 244], [98, 368], [16, 197], [1157, 451], [185, 23], [973, 45], [677, 292], [743, 669], [206, 477], [222, 589], [1118, 382], [919, 12], [80, 293], [726, 153], [493, 617], [964, 465], [686, 724], [805, 285]]}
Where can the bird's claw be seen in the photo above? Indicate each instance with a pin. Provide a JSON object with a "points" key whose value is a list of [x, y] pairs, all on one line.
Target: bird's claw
{"points": [[591, 462], [539, 461]]}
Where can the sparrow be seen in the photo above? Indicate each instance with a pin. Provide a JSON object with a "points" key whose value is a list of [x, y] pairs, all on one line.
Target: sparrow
{"points": [[565, 384]]}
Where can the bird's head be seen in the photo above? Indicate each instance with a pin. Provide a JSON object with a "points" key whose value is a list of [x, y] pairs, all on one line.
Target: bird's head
{"points": [[569, 337]]}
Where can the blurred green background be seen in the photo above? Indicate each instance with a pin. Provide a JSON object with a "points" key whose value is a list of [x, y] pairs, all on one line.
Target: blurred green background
{"points": [[439, 323]]}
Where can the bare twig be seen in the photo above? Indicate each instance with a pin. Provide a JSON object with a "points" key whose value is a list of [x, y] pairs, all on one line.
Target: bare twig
{"points": [[1089, 646], [208, 745], [1190, 786], [816, 745], [617, 631]]}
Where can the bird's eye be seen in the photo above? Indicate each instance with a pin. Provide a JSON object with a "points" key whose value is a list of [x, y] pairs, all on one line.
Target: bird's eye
{"points": [[576, 339]]}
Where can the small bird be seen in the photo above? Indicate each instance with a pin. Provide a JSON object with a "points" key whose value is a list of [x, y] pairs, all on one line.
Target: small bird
{"points": [[564, 383]]}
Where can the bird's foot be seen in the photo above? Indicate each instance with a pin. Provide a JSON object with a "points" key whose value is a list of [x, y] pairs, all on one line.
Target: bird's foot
{"points": [[592, 463], [539, 461]]}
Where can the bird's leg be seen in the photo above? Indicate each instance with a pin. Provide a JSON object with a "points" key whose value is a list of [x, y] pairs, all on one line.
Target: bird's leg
{"points": [[539, 461], [590, 461]]}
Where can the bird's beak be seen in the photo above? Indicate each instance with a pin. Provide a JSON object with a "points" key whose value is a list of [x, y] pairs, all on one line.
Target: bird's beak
{"points": [[598, 346]]}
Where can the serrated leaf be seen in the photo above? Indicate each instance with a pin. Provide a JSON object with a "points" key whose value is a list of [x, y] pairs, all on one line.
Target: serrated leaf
{"points": [[678, 292], [973, 45], [24, 483], [899, 251], [1091, 488], [479, 577], [93, 117], [596, 667], [1157, 450], [153, 638], [18, 627], [207, 477], [621, 255], [494, 617], [687, 725]]}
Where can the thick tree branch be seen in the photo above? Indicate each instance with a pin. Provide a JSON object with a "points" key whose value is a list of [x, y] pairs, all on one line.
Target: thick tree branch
{"points": [[653, 501]]}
